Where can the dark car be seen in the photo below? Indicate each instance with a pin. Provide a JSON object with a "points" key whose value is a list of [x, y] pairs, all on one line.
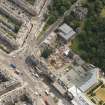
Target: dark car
{"points": [[31, 60], [13, 66]]}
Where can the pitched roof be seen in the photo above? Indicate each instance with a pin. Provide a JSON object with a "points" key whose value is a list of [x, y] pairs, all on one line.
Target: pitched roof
{"points": [[65, 28], [66, 32]]}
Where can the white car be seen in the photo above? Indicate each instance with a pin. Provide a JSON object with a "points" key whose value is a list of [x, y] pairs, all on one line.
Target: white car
{"points": [[36, 75], [47, 92]]}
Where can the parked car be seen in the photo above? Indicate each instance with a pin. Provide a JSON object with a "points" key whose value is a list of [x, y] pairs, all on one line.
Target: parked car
{"points": [[13, 66], [47, 92], [36, 75]]}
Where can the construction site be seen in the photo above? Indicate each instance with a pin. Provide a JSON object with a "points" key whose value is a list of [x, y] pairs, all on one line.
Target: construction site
{"points": [[59, 58]]}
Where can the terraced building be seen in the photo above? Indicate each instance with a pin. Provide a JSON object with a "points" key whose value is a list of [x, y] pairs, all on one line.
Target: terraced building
{"points": [[8, 82], [15, 22]]}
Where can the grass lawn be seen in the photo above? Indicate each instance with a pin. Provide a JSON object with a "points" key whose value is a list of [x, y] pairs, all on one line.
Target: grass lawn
{"points": [[100, 93], [102, 14], [75, 46], [41, 34], [2, 47], [31, 1]]}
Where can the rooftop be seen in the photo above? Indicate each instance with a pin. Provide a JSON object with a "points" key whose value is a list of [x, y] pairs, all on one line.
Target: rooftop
{"points": [[66, 32], [91, 81], [65, 28], [81, 78]]}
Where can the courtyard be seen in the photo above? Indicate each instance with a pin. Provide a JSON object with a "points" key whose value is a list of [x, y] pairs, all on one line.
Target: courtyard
{"points": [[100, 93], [9, 27], [97, 94]]}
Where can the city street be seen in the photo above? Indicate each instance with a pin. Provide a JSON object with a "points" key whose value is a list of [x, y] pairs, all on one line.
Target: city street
{"points": [[31, 46]]}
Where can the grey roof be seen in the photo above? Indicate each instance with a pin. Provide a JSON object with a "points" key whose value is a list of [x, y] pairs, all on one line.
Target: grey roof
{"points": [[66, 32], [67, 36], [74, 76], [65, 28], [80, 78], [90, 82]]}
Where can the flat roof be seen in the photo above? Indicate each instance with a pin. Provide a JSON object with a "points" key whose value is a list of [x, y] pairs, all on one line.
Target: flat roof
{"points": [[81, 78], [93, 80]]}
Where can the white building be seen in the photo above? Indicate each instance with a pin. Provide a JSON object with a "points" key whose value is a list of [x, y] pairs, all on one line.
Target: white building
{"points": [[79, 97], [78, 91], [78, 81]]}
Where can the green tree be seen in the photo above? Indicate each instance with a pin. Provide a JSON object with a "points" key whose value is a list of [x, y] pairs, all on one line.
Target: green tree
{"points": [[46, 52], [51, 19]]}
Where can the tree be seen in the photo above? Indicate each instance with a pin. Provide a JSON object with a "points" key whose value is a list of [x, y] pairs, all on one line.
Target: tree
{"points": [[91, 41], [46, 52], [51, 19], [57, 9]]}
